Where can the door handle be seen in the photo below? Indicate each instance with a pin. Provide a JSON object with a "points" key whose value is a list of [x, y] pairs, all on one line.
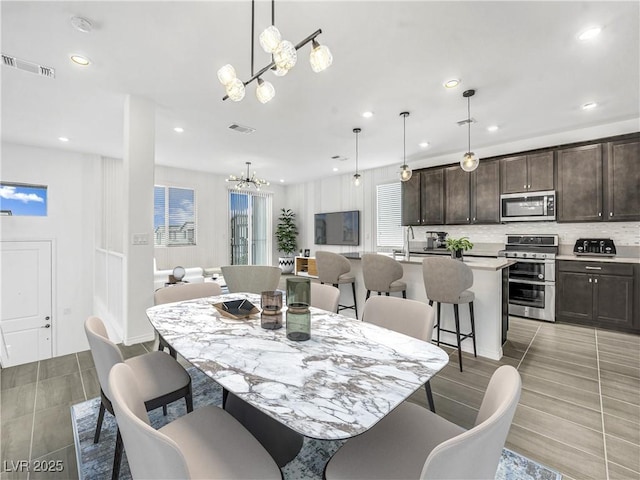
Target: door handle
{"points": [[48, 325]]}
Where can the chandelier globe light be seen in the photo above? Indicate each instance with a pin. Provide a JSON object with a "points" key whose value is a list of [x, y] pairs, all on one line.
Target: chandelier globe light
{"points": [[320, 57], [469, 161], [265, 91], [284, 56], [357, 178], [405, 171], [247, 181]]}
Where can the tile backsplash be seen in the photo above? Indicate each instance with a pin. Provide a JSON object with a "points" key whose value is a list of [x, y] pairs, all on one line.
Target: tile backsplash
{"points": [[622, 233]]}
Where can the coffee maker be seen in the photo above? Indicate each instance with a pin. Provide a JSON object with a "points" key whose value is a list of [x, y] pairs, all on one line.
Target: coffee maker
{"points": [[436, 239]]}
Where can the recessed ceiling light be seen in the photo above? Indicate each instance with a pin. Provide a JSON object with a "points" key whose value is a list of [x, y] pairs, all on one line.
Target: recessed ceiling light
{"points": [[589, 105], [335, 169], [63, 139], [80, 60], [367, 114], [589, 33], [453, 83], [493, 128], [178, 129], [424, 144], [282, 180]]}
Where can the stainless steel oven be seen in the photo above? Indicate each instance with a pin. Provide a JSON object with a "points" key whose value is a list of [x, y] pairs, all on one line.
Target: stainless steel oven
{"points": [[532, 289]]}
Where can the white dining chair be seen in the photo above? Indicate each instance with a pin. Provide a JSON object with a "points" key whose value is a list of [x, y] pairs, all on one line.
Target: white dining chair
{"points": [[412, 442], [325, 297], [251, 278], [410, 317], [161, 379], [206, 443]]}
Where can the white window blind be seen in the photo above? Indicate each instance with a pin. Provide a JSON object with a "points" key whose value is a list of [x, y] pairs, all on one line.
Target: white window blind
{"points": [[389, 212], [174, 219]]}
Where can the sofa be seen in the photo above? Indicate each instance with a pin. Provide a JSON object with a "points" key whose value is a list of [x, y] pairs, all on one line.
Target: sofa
{"points": [[192, 275]]}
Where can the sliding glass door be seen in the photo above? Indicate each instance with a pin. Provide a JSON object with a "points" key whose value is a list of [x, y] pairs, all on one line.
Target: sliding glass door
{"points": [[250, 228]]}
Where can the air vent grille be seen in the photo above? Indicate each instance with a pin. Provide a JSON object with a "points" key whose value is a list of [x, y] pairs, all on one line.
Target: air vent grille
{"points": [[340, 158], [30, 67], [241, 128], [466, 121]]}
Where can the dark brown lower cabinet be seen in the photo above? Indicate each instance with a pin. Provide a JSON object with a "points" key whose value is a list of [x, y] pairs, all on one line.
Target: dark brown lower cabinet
{"points": [[598, 294]]}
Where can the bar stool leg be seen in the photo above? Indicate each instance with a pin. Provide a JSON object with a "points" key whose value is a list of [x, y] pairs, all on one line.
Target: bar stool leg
{"points": [[117, 457], [404, 294], [355, 306], [386, 293], [368, 294], [438, 320], [456, 314], [96, 437], [473, 328]]}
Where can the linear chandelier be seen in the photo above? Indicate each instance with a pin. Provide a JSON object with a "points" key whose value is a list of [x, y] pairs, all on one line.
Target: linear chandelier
{"points": [[247, 181], [283, 58]]}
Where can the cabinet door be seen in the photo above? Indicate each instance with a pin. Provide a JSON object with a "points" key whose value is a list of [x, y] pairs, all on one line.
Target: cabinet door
{"points": [[411, 201], [613, 297], [574, 297], [457, 186], [580, 184], [540, 172], [486, 193], [514, 174], [623, 181], [432, 196]]}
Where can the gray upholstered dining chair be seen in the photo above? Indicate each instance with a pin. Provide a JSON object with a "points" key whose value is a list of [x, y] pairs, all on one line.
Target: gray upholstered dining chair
{"points": [[409, 317], [251, 278], [160, 378], [447, 281], [206, 443], [382, 274], [182, 292], [325, 297], [335, 270], [412, 442]]}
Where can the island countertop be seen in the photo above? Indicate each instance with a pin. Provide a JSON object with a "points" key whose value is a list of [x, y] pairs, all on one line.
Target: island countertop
{"points": [[475, 262]]}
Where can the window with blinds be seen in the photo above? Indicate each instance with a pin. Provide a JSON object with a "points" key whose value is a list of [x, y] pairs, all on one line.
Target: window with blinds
{"points": [[389, 212], [174, 218]]}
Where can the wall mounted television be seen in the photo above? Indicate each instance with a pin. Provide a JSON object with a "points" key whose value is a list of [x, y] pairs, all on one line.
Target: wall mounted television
{"points": [[337, 228]]}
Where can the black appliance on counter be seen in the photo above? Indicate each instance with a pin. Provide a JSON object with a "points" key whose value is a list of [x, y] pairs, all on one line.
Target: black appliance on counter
{"points": [[600, 247], [532, 280], [436, 239]]}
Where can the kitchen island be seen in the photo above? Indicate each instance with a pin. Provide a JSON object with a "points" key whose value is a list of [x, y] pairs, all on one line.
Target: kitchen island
{"points": [[490, 283]]}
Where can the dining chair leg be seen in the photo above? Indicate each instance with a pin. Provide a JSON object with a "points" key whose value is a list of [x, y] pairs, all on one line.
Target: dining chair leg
{"points": [[164, 410], [427, 387], [473, 328], [355, 307], [456, 314], [188, 398], [438, 323], [117, 457], [404, 294], [96, 437], [386, 293]]}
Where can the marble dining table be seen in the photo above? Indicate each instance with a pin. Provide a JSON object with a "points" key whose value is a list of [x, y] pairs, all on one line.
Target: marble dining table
{"points": [[336, 385]]}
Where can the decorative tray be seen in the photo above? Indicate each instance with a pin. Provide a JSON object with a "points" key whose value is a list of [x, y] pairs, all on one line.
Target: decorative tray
{"points": [[236, 309]]}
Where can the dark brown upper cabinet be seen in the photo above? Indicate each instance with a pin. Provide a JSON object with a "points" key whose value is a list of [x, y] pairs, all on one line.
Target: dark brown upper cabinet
{"points": [[527, 173], [623, 180], [580, 184], [423, 198], [473, 197]]}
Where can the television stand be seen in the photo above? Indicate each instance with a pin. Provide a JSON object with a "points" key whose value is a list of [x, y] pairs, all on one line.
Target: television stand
{"points": [[305, 267]]}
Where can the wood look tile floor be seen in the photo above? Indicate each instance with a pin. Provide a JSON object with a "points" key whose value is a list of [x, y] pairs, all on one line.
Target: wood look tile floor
{"points": [[579, 411]]}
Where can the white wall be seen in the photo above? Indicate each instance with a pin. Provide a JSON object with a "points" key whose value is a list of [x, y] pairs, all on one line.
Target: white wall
{"points": [[212, 219], [72, 180]]}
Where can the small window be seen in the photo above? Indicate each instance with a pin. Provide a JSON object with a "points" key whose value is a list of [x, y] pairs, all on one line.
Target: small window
{"points": [[23, 200], [174, 218], [389, 213]]}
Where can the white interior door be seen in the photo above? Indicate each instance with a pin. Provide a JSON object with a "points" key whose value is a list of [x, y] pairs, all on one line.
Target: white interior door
{"points": [[26, 326]]}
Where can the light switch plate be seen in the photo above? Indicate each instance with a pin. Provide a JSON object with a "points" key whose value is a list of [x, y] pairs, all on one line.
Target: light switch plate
{"points": [[140, 239]]}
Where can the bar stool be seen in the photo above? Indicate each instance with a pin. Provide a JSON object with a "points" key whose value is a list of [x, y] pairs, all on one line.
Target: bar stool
{"points": [[446, 281], [382, 274], [336, 270]]}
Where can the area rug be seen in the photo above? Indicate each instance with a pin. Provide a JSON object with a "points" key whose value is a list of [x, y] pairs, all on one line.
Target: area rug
{"points": [[96, 459]]}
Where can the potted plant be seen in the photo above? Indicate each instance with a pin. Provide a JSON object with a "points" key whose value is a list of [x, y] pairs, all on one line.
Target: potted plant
{"points": [[457, 245], [286, 235]]}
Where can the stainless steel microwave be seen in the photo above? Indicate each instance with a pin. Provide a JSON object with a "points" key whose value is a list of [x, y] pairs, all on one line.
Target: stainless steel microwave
{"points": [[528, 207]]}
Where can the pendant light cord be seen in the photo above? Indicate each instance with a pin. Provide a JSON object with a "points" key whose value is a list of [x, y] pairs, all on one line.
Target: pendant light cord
{"points": [[469, 123], [253, 16], [357, 133], [273, 12], [404, 140]]}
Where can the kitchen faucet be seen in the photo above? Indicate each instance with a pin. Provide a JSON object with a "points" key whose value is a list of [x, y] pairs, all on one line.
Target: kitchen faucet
{"points": [[406, 252]]}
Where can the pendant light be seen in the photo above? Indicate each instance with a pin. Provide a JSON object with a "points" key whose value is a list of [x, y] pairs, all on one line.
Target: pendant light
{"points": [[469, 160], [356, 176], [405, 171]]}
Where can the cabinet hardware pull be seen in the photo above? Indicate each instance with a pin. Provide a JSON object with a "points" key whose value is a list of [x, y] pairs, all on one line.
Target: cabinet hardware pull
{"points": [[611, 214], [467, 219], [599, 214], [595, 280], [589, 279], [529, 186], [593, 268], [524, 186]]}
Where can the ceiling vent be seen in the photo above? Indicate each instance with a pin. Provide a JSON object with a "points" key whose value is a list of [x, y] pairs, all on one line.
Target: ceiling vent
{"points": [[466, 121], [241, 128], [30, 67], [340, 158]]}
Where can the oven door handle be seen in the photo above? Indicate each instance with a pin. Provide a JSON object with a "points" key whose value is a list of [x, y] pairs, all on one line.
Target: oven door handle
{"points": [[531, 282], [533, 260]]}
